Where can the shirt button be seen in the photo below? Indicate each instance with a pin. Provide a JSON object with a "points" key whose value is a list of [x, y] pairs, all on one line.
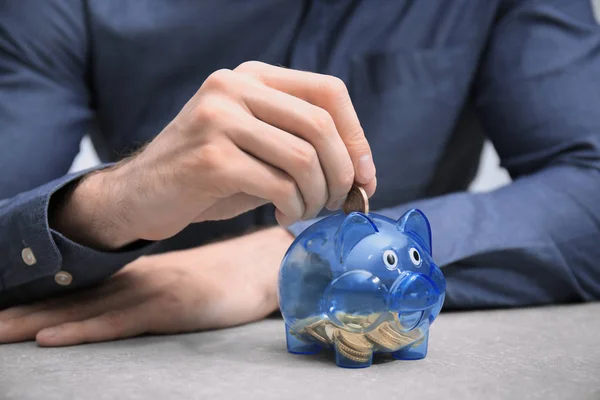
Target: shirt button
{"points": [[63, 278], [28, 256]]}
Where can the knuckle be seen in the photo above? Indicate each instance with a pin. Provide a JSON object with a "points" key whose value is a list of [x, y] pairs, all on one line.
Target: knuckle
{"points": [[210, 156], [250, 67], [218, 80], [305, 156], [335, 88], [356, 136], [210, 109], [322, 123]]}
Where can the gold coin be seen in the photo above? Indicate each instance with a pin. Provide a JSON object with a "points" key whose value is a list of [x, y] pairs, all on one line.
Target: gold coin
{"points": [[418, 342], [354, 358], [329, 330], [372, 318], [357, 200], [352, 351], [401, 337], [352, 354], [349, 353], [358, 321], [389, 333], [316, 330], [352, 340], [317, 335], [300, 325], [315, 324], [385, 338], [353, 321], [377, 338], [353, 318]]}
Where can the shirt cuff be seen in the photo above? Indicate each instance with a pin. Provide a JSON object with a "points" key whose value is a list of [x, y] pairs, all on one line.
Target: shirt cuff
{"points": [[32, 250]]}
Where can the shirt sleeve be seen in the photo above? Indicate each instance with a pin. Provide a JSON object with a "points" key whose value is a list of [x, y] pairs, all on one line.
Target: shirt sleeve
{"points": [[537, 240], [44, 112]]}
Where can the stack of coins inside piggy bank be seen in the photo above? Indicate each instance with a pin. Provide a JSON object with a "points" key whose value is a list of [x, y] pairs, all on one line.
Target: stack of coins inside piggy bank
{"points": [[361, 283]]}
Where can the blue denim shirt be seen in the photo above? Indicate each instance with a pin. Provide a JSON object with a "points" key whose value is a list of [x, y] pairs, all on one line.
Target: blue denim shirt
{"points": [[429, 80]]}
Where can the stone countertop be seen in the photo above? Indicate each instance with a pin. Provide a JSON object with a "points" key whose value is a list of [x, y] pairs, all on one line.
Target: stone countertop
{"points": [[535, 353]]}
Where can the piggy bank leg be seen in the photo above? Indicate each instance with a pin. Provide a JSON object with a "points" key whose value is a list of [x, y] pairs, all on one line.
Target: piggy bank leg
{"points": [[298, 346], [416, 351], [348, 360]]}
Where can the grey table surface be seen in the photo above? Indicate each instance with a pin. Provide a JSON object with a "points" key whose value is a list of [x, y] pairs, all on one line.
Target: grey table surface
{"points": [[537, 353]]}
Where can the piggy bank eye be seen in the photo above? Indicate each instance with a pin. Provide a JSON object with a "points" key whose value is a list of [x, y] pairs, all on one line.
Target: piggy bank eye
{"points": [[415, 257], [390, 259]]}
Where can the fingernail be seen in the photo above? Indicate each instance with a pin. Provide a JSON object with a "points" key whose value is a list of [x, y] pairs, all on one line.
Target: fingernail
{"points": [[49, 333], [366, 169], [300, 207], [333, 205]]}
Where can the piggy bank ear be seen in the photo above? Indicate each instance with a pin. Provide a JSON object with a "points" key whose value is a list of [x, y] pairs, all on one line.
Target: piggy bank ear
{"points": [[355, 228], [415, 223]]}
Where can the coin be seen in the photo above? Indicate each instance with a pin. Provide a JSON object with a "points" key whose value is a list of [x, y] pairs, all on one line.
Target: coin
{"points": [[345, 347], [357, 201], [317, 331], [315, 324], [353, 321], [300, 324], [379, 339], [329, 331], [372, 318], [352, 318], [389, 333], [352, 354], [384, 338], [354, 341]]}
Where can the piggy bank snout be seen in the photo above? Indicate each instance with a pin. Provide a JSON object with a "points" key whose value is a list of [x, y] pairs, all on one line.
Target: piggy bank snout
{"points": [[414, 292]]}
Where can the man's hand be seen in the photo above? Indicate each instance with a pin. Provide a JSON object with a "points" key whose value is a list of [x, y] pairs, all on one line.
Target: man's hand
{"points": [[258, 134], [214, 286]]}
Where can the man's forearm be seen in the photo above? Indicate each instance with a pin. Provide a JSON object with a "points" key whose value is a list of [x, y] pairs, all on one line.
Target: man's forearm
{"points": [[531, 242], [92, 212], [218, 285], [36, 255]]}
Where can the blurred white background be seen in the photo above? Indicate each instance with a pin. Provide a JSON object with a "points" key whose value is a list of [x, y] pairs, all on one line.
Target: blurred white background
{"points": [[490, 174]]}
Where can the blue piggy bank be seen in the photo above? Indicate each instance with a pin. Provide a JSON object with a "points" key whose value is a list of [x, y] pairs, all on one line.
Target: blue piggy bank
{"points": [[361, 284]]}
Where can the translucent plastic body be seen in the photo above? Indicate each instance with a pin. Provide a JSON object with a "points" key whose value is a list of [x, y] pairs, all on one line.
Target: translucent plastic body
{"points": [[361, 284]]}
